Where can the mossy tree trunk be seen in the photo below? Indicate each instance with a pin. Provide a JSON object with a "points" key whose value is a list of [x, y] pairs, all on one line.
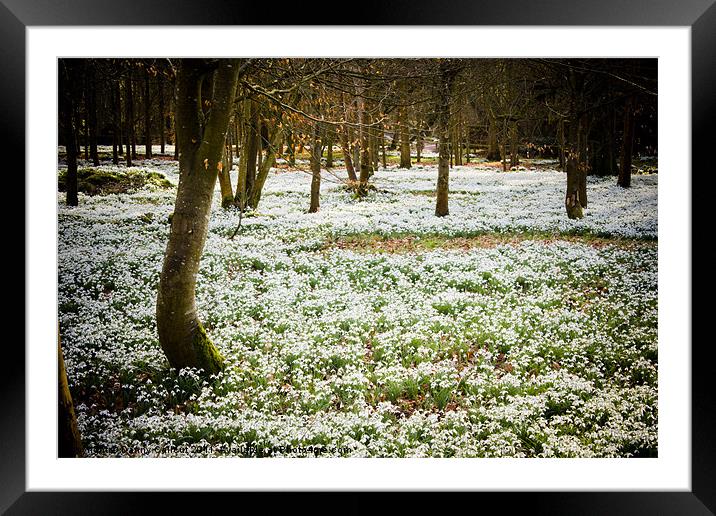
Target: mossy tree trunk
{"points": [[181, 334], [447, 76], [69, 442], [67, 101]]}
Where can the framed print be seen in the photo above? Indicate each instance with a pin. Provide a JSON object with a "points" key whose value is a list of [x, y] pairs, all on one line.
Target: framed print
{"points": [[515, 346]]}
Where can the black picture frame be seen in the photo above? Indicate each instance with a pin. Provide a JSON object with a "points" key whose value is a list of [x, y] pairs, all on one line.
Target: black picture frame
{"points": [[700, 15]]}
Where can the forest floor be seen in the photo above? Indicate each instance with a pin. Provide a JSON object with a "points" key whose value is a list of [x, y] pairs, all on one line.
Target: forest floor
{"points": [[373, 328]]}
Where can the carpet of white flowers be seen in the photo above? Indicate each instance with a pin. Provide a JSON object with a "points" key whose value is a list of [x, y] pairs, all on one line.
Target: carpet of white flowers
{"points": [[545, 346]]}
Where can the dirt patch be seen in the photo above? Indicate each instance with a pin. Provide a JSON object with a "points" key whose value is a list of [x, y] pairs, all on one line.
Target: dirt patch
{"points": [[418, 243]]}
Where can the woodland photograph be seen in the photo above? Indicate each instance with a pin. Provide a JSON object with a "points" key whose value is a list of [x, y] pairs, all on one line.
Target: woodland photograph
{"points": [[357, 257]]}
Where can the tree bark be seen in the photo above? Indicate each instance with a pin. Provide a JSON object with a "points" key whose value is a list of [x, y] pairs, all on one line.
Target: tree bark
{"points": [[117, 124], [418, 143], [493, 151], [366, 168], [254, 147], [69, 443], [447, 77], [266, 167], [514, 145], [404, 138], [348, 160], [562, 144], [315, 169], [456, 140], [383, 157], [129, 119], [572, 202], [162, 115], [67, 103], [92, 112], [147, 117], [329, 148], [227, 192], [181, 334], [583, 158]]}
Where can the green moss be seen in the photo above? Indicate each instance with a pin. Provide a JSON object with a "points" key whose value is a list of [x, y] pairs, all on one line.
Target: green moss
{"points": [[92, 181], [207, 356]]}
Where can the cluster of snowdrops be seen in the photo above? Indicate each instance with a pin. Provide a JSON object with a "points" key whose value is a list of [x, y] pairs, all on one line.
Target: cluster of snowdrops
{"points": [[373, 328]]}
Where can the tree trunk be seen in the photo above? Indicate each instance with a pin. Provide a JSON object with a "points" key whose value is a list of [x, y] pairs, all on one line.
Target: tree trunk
{"points": [[248, 155], [624, 179], [181, 334], [456, 140], [67, 104], [345, 147], [315, 169], [266, 168], [383, 157], [572, 202], [418, 144], [162, 116], [129, 119], [290, 148], [329, 148], [503, 155], [583, 158], [345, 144], [493, 151], [227, 192], [117, 124], [366, 168], [404, 138], [254, 147], [147, 118], [514, 145], [69, 443], [92, 113], [446, 79]]}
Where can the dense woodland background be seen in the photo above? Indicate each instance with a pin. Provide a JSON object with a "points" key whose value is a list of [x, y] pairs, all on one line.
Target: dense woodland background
{"points": [[602, 111]]}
